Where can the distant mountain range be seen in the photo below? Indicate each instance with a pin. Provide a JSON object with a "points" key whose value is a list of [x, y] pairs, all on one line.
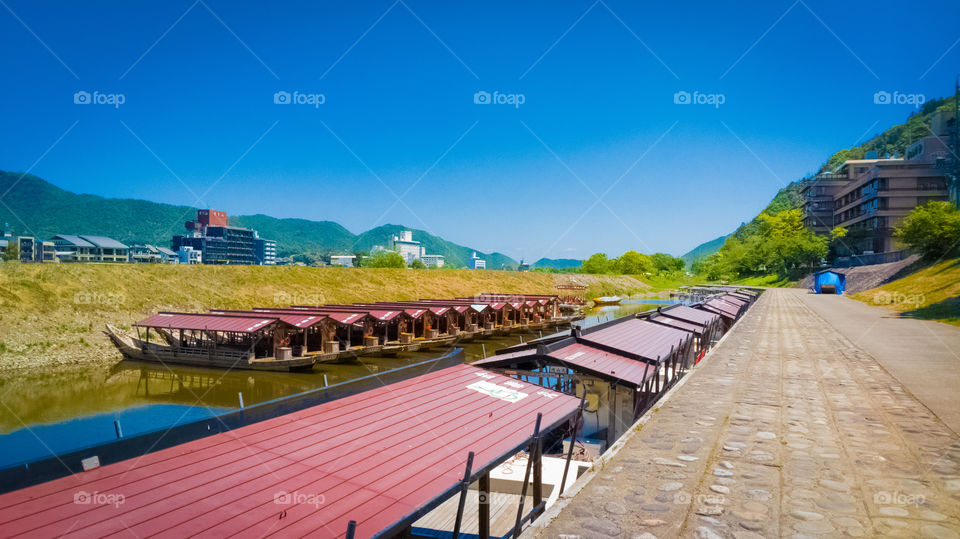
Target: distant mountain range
{"points": [[36, 207], [557, 263]]}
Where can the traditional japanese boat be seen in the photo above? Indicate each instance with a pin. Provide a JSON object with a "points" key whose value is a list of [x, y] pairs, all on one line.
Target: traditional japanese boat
{"points": [[221, 357], [607, 300]]}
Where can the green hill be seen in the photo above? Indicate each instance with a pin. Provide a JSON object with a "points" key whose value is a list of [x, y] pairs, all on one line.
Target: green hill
{"points": [[33, 206], [557, 263], [893, 141], [454, 255], [705, 249]]}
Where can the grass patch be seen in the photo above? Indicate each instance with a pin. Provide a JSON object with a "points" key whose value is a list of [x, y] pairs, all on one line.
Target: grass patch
{"points": [[930, 293], [773, 280]]}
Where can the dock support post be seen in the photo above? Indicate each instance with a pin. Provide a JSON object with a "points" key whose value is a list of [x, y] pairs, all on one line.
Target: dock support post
{"points": [[612, 417], [537, 472], [526, 476], [464, 487], [351, 529], [240, 394], [483, 527], [325, 383], [116, 427], [484, 348], [574, 427]]}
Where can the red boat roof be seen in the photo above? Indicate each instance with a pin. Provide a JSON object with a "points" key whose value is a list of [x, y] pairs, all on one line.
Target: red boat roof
{"points": [[689, 313], [728, 310], [585, 358], [378, 458], [682, 324], [636, 336], [299, 320], [209, 322], [588, 358], [416, 313], [302, 320], [346, 317], [439, 310], [734, 300]]}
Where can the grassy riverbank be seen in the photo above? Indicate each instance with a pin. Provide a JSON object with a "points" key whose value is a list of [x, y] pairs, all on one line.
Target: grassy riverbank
{"points": [[930, 293], [53, 314]]}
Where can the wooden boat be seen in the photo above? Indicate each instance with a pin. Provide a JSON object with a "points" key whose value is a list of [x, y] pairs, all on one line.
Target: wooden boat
{"points": [[607, 300], [222, 357]]}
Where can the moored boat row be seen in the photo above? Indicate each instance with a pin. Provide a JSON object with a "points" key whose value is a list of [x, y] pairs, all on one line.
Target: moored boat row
{"points": [[297, 337]]}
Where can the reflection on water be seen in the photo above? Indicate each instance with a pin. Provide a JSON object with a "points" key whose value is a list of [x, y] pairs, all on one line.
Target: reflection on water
{"points": [[148, 396]]}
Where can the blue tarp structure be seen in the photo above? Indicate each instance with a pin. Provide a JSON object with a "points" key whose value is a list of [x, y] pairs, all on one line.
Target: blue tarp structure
{"points": [[829, 282]]}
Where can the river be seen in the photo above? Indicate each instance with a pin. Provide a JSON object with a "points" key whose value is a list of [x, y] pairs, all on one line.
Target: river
{"points": [[51, 412]]}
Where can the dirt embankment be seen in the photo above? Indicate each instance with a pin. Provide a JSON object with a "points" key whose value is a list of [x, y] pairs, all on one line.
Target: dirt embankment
{"points": [[53, 314]]}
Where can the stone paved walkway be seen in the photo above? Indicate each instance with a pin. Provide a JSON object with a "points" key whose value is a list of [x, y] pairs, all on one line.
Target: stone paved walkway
{"points": [[786, 430]]}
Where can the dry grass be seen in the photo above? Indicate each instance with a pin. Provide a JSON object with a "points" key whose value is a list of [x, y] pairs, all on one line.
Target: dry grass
{"points": [[54, 313]]}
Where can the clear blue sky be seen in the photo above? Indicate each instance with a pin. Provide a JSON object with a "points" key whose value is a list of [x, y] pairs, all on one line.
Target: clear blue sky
{"points": [[398, 119]]}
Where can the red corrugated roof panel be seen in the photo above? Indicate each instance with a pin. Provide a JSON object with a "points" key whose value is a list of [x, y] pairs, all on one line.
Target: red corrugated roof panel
{"points": [[691, 314], [345, 317], [375, 457], [416, 313], [385, 316], [586, 357], [647, 339], [733, 299], [301, 320], [439, 310], [209, 322], [510, 355], [681, 324], [727, 309]]}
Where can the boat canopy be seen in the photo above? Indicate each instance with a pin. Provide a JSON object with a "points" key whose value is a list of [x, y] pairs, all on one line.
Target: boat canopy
{"points": [[208, 322], [632, 335], [582, 358], [382, 458]]}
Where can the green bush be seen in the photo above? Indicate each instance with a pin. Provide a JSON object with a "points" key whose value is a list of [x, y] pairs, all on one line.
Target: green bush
{"points": [[933, 230]]}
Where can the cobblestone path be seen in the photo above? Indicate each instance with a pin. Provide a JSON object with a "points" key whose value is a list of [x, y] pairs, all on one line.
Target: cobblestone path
{"points": [[787, 430]]}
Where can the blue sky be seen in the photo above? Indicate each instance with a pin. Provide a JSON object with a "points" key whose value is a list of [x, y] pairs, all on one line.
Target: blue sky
{"points": [[598, 157]]}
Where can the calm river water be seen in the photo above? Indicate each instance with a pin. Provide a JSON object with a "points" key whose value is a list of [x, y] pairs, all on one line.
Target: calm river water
{"points": [[72, 407]]}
